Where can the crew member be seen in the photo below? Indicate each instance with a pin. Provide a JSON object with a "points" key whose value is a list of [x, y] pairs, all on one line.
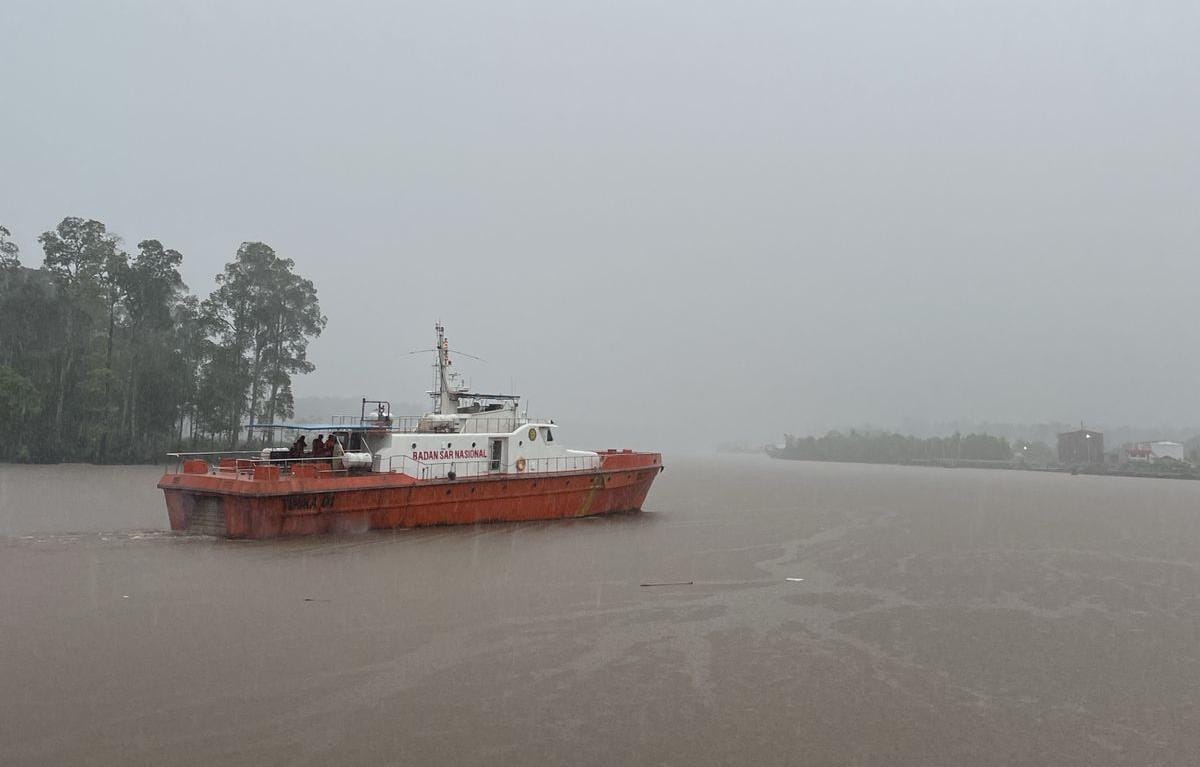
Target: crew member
{"points": [[319, 446]]}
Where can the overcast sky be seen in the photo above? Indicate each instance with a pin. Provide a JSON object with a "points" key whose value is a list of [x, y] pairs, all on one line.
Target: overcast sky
{"points": [[714, 220]]}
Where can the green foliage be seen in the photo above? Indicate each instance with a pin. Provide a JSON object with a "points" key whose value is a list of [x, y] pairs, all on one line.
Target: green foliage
{"points": [[77, 254], [264, 313], [108, 358], [886, 447], [9, 252], [19, 404]]}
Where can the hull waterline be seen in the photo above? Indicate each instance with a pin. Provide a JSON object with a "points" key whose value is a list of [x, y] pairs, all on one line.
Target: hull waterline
{"points": [[263, 505]]}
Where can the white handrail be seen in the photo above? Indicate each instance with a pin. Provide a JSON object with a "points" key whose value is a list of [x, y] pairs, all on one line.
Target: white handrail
{"points": [[483, 466], [461, 469]]}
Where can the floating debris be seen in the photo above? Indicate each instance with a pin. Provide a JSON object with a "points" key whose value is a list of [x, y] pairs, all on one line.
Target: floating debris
{"points": [[795, 580], [671, 583]]}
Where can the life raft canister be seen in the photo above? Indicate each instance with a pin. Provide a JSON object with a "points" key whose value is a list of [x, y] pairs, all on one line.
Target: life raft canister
{"points": [[520, 464]]}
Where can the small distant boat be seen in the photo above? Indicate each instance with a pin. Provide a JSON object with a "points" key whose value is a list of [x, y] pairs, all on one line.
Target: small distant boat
{"points": [[474, 458]]}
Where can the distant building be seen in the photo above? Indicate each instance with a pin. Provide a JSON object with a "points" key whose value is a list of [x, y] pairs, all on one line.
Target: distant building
{"points": [[1163, 449], [1080, 447], [1138, 454], [1152, 452]]}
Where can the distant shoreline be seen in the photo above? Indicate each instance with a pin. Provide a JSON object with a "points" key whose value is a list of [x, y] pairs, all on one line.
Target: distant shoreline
{"points": [[964, 463], [46, 464]]}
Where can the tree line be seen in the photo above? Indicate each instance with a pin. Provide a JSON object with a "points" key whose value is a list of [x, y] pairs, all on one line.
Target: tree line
{"points": [[106, 357], [888, 447]]}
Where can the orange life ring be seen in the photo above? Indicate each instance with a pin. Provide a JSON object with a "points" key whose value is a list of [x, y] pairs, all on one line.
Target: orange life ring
{"points": [[520, 464]]}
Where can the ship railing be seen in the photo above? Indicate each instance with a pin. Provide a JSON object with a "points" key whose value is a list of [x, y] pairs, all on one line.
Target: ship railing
{"points": [[326, 465], [390, 423], [419, 424], [243, 464], [484, 467], [213, 458], [401, 464], [561, 463], [240, 464]]}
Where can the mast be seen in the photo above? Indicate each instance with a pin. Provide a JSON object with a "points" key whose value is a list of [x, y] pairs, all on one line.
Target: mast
{"points": [[446, 401]]}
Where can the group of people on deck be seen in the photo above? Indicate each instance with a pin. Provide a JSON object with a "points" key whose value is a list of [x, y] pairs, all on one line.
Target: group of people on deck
{"points": [[321, 447]]}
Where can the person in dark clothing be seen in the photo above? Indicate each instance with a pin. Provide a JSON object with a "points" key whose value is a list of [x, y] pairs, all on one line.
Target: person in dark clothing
{"points": [[299, 447], [319, 446]]}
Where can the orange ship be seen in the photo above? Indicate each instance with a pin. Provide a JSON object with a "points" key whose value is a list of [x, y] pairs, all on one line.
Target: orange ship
{"points": [[475, 458]]}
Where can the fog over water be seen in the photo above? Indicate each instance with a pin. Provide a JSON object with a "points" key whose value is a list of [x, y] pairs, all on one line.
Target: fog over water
{"points": [[822, 614], [716, 220], [667, 225]]}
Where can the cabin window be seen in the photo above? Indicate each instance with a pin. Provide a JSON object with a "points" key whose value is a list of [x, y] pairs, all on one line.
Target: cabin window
{"points": [[497, 448], [549, 435]]}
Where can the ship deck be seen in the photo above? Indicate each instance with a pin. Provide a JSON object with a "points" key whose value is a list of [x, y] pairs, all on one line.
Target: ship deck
{"points": [[248, 498]]}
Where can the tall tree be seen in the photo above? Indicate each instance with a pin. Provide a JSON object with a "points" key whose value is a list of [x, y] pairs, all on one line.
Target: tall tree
{"points": [[190, 338], [78, 252], [114, 278], [9, 252], [232, 309], [19, 400], [107, 358], [30, 337], [265, 314], [221, 393], [152, 289], [292, 318]]}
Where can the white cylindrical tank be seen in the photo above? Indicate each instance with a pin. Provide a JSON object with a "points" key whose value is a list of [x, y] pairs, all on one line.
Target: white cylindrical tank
{"points": [[357, 460]]}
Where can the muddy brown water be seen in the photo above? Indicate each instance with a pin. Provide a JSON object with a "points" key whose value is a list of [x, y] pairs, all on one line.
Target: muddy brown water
{"points": [[944, 617]]}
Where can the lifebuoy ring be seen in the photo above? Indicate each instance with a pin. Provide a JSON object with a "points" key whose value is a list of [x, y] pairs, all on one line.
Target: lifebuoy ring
{"points": [[520, 464]]}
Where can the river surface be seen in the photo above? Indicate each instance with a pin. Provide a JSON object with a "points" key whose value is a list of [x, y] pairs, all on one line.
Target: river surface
{"points": [[825, 614]]}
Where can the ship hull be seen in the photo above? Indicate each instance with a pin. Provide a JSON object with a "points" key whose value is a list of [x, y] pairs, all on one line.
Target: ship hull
{"points": [[229, 505]]}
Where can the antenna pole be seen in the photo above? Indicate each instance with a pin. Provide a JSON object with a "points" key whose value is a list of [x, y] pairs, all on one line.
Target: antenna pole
{"points": [[446, 401]]}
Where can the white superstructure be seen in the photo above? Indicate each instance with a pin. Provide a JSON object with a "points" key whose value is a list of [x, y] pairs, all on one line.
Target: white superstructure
{"points": [[467, 434]]}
